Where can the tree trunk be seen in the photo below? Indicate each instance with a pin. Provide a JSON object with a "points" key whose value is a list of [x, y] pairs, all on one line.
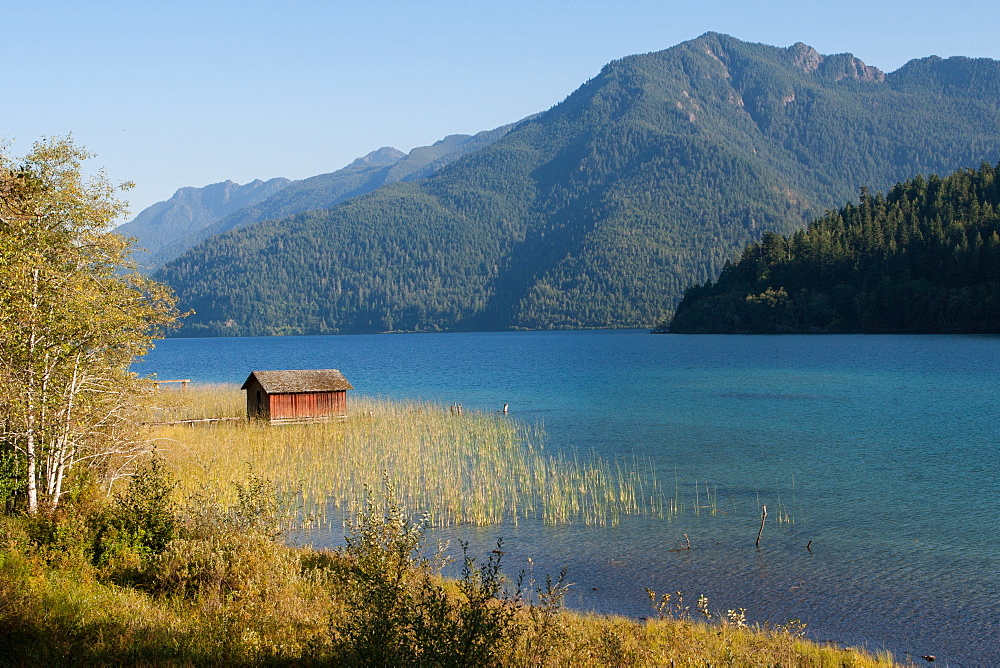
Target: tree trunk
{"points": [[30, 445]]}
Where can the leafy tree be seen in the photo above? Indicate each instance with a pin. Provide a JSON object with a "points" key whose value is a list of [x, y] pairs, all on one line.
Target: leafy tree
{"points": [[73, 316]]}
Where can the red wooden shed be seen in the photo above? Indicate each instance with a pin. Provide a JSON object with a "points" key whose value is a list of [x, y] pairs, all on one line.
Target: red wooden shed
{"points": [[296, 396]]}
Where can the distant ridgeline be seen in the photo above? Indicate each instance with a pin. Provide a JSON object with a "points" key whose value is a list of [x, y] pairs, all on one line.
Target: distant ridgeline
{"points": [[167, 229], [923, 258], [600, 211]]}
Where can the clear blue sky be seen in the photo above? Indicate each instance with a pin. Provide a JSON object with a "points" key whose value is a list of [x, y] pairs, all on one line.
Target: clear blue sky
{"points": [[181, 93]]}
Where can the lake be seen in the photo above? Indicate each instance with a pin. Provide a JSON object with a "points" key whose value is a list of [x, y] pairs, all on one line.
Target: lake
{"points": [[880, 452]]}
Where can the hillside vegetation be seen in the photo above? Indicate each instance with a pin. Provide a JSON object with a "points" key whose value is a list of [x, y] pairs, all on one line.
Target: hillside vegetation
{"points": [[167, 229], [925, 257], [601, 211]]}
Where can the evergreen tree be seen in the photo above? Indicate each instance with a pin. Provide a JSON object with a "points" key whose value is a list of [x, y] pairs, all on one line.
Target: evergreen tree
{"points": [[922, 258]]}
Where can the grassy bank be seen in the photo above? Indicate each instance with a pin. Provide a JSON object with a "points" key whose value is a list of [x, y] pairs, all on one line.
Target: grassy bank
{"points": [[222, 591], [184, 564]]}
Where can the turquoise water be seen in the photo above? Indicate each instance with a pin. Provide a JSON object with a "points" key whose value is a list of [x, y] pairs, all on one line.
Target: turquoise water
{"points": [[881, 449]]}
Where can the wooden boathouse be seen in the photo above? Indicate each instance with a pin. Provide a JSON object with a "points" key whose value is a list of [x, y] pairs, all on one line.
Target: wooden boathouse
{"points": [[282, 397]]}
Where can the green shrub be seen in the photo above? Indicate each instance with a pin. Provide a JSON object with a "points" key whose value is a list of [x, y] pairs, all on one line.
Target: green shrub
{"points": [[396, 612], [259, 507], [140, 523], [146, 511], [546, 623], [64, 538], [476, 628], [227, 565]]}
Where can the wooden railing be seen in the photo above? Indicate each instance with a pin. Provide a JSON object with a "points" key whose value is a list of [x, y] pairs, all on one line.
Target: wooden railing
{"points": [[184, 383]]}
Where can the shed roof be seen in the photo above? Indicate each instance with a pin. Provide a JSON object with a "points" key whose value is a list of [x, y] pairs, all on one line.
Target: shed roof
{"points": [[305, 380]]}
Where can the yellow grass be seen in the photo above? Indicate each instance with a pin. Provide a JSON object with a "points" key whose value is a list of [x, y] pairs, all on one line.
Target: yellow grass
{"points": [[473, 468], [61, 617], [581, 639]]}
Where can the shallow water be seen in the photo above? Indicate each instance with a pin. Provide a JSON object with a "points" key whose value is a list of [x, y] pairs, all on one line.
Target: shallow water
{"points": [[881, 449]]}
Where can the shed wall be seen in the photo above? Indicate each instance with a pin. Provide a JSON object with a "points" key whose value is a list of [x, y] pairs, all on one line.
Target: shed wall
{"points": [[257, 403], [307, 405]]}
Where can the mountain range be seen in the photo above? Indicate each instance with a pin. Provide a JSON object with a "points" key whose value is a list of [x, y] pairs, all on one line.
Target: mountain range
{"points": [[600, 211], [162, 229], [167, 229]]}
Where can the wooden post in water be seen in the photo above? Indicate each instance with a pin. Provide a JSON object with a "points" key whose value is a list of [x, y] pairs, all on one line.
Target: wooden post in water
{"points": [[763, 516]]}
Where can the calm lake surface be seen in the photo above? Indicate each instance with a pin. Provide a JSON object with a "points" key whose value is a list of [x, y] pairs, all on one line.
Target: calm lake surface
{"points": [[882, 450]]}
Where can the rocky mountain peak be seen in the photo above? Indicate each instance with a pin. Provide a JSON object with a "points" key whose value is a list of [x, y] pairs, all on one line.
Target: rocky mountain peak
{"points": [[839, 66], [387, 155], [805, 57], [867, 72]]}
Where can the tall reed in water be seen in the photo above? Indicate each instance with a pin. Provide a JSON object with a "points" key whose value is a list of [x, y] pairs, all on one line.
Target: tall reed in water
{"points": [[476, 468]]}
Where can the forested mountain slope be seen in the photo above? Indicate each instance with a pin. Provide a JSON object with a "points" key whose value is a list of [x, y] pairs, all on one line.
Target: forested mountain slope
{"points": [[386, 165], [602, 210], [925, 257], [188, 211], [166, 230]]}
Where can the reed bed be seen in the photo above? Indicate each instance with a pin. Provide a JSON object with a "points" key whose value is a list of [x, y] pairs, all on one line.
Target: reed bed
{"points": [[470, 468], [474, 468], [173, 403]]}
